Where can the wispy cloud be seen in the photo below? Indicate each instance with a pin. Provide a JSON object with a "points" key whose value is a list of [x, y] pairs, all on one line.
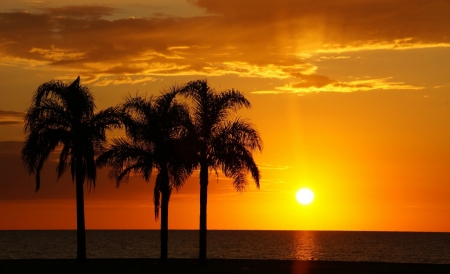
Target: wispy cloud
{"points": [[340, 86], [326, 58], [396, 44], [123, 80], [273, 167]]}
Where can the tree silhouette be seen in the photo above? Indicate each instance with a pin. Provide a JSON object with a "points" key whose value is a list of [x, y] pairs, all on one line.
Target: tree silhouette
{"points": [[222, 144], [157, 131], [62, 114]]}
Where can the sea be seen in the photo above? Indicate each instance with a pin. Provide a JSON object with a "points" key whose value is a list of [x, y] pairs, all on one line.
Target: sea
{"points": [[400, 247]]}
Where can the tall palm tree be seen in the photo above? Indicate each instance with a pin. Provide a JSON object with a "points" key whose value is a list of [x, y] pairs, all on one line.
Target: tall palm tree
{"points": [[222, 143], [157, 131], [62, 114]]}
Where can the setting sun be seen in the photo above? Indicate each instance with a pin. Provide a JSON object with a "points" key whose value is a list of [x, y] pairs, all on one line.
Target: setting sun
{"points": [[305, 196]]}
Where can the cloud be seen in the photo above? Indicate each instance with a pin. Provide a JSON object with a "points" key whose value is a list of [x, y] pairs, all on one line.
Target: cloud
{"points": [[343, 23], [262, 39], [54, 54], [87, 12], [397, 44], [11, 117], [319, 83], [325, 58], [264, 166], [124, 80]]}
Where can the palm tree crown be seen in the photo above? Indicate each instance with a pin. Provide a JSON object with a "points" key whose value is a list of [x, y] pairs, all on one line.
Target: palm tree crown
{"points": [[62, 114], [157, 131], [222, 143]]}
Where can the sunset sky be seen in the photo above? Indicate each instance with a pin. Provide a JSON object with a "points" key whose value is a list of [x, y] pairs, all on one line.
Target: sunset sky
{"points": [[351, 98]]}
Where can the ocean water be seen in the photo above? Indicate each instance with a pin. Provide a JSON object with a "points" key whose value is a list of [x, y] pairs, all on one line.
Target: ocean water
{"points": [[405, 247]]}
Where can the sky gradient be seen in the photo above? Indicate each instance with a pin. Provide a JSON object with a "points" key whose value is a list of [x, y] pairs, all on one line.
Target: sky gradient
{"points": [[351, 98]]}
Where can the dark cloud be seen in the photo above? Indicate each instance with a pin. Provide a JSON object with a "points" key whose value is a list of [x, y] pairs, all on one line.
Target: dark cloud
{"points": [[317, 81], [11, 113], [344, 20], [247, 38], [17, 184], [10, 122], [89, 12], [11, 117]]}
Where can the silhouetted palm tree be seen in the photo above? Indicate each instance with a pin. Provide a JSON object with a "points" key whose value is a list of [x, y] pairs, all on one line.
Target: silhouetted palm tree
{"points": [[62, 114], [156, 130], [222, 144]]}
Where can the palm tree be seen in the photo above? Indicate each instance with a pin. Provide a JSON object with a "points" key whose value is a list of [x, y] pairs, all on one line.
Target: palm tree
{"points": [[157, 131], [62, 114], [222, 144]]}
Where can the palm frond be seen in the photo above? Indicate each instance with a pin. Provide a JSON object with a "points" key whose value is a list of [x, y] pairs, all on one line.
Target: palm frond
{"points": [[125, 157], [90, 166], [37, 148], [226, 144], [156, 132], [63, 159], [51, 90], [109, 118], [63, 113], [157, 196], [233, 149]]}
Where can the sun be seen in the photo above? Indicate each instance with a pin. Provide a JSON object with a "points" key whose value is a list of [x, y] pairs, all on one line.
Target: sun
{"points": [[305, 196]]}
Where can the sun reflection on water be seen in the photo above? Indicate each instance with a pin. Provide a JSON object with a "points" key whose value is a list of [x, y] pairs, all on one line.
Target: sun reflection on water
{"points": [[305, 245]]}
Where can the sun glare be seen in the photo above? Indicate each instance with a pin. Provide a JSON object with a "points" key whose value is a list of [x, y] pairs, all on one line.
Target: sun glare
{"points": [[305, 196]]}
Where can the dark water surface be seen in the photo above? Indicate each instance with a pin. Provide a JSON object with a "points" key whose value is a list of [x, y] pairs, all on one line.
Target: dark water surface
{"points": [[403, 247]]}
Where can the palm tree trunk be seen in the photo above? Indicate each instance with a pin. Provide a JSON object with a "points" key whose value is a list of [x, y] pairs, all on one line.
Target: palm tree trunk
{"points": [[81, 228], [164, 222], [203, 205]]}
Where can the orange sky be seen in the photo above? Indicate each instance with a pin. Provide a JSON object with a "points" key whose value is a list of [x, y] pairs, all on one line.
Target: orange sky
{"points": [[352, 99]]}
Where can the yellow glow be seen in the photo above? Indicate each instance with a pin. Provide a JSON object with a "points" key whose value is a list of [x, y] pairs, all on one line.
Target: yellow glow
{"points": [[305, 196]]}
